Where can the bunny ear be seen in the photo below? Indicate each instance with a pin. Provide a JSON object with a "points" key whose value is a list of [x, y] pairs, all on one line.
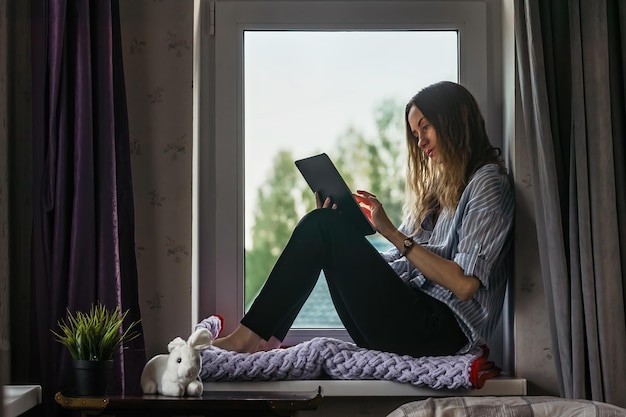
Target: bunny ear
{"points": [[200, 339], [178, 342]]}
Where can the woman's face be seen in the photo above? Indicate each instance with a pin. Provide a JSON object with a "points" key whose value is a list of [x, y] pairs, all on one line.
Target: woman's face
{"points": [[424, 133]]}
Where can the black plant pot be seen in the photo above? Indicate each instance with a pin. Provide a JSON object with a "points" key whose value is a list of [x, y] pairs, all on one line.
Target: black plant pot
{"points": [[92, 377]]}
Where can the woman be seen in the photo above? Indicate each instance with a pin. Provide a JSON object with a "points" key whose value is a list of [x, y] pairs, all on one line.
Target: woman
{"points": [[440, 290]]}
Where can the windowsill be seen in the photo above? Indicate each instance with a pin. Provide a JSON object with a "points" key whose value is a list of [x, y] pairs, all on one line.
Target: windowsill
{"points": [[500, 386]]}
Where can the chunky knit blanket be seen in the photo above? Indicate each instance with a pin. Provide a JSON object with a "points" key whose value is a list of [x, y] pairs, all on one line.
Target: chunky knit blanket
{"points": [[327, 357]]}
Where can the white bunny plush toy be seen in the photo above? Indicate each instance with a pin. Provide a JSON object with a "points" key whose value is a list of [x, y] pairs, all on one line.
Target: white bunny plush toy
{"points": [[177, 374]]}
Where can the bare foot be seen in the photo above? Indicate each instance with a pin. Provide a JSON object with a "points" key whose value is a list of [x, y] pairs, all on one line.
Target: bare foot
{"points": [[242, 340], [229, 343], [265, 345]]}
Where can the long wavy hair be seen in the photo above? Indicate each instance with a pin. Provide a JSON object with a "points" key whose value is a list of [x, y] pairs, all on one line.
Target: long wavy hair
{"points": [[462, 144]]}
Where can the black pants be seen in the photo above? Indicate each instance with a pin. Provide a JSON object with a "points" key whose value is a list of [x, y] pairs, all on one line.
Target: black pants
{"points": [[378, 310]]}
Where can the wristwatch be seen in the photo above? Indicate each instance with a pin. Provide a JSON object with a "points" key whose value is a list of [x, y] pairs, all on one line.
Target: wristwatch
{"points": [[407, 245]]}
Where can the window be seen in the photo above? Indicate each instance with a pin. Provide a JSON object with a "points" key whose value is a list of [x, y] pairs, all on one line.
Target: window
{"points": [[229, 164], [339, 92]]}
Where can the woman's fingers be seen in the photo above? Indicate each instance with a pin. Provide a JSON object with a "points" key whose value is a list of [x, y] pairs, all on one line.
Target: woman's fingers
{"points": [[365, 193], [327, 203], [368, 204], [366, 199]]}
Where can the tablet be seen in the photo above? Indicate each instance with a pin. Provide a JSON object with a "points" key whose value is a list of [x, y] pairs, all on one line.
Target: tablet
{"points": [[322, 176]]}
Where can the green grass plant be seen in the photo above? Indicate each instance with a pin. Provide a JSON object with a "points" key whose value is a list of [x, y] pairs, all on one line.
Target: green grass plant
{"points": [[96, 335]]}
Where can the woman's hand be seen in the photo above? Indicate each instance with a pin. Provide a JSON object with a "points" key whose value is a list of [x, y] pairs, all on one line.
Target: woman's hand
{"points": [[445, 272], [374, 210], [327, 203]]}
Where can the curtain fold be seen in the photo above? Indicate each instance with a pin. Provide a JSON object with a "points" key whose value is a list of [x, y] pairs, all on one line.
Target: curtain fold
{"points": [[571, 74], [83, 216]]}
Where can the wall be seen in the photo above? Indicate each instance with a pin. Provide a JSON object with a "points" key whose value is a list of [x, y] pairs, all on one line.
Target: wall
{"points": [[533, 344], [157, 36], [157, 42]]}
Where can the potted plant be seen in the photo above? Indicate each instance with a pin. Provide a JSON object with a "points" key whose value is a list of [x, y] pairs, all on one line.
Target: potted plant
{"points": [[93, 340]]}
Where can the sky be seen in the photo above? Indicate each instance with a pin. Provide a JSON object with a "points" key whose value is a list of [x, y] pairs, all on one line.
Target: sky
{"points": [[304, 89]]}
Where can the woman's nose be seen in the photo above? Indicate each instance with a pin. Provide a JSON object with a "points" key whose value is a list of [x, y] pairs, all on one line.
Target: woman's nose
{"points": [[422, 141]]}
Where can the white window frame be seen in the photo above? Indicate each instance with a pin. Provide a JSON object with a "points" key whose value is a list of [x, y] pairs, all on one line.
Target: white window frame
{"points": [[218, 218]]}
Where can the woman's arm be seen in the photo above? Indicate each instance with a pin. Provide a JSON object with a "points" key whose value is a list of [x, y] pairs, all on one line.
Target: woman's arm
{"points": [[443, 271]]}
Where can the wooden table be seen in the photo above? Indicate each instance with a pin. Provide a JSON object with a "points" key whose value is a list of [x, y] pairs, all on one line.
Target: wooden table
{"points": [[212, 403]]}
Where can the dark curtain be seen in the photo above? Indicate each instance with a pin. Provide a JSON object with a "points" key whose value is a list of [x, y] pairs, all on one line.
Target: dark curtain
{"points": [[83, 215], [571, 56], [4, 204]]}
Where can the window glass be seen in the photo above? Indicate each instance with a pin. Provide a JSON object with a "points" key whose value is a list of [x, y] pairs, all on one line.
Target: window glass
{"points": [[338, 92]]}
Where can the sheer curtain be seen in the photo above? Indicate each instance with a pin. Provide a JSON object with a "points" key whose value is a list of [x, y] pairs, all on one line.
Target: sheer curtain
{"points": [[83, 222], [571, 56]]}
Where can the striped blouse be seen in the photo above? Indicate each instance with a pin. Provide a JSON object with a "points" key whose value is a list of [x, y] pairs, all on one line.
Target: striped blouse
{"points": [[477, 236]]}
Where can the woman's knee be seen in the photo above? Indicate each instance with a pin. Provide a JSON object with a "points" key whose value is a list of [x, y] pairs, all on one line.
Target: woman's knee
{"points": [[326, 226], [321, 217]]}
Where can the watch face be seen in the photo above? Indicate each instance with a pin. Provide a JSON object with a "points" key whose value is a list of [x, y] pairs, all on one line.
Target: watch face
{"points": [[407, 244]]}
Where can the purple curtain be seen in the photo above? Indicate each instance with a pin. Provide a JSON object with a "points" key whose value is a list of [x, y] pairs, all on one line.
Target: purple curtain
{"points": [[83, 247]]}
